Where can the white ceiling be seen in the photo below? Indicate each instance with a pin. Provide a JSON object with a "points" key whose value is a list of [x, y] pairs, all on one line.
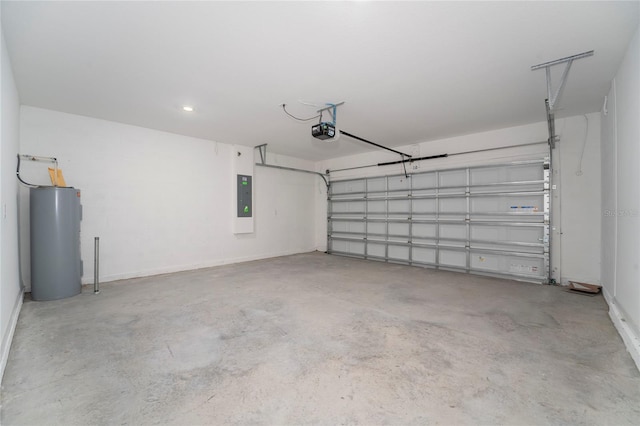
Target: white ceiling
{"points": [[408, 71]]}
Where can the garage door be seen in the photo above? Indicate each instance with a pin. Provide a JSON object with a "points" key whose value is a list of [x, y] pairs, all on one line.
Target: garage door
{"points": [[489, 220]]}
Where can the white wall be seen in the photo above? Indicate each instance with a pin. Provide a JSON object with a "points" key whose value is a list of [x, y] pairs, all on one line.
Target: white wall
{"points": [[166, 192], [10, 288], [161, 202], [576, 238], [579, 183], [621, 199]]}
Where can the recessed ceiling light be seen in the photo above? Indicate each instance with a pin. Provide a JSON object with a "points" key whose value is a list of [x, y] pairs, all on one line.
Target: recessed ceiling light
{"points": [[187, 108]]}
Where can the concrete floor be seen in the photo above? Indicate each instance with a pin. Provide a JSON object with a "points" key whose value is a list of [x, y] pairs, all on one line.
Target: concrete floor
{"points": [[323, 339]]}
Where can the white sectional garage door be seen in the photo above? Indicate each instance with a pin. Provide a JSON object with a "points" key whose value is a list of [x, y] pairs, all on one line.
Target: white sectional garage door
{"points": [[490, 220]]}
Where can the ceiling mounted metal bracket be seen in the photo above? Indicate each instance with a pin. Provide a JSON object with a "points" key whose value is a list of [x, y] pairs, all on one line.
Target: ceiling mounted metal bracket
{"points": [[551, 95], [263, 153], [333, 111]]}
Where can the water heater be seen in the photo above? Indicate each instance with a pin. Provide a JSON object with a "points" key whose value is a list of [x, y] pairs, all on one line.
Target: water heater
{"points": [[56, 267]]}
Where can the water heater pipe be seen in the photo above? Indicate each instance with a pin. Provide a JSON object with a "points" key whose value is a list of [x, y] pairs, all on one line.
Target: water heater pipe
{"points": [[96, 265]]}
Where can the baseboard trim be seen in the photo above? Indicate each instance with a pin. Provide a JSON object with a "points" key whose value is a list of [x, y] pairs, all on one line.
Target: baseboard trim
{"points": [[8, 338], [629, 337], [191, 267]]}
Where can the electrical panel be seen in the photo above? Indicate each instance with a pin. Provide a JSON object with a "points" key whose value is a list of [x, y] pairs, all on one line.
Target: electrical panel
{"points": [[244, 196], [241, 179]]}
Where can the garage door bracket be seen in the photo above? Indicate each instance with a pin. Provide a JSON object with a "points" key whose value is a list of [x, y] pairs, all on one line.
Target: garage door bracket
{"points": [[553, 96], [263, 163]]}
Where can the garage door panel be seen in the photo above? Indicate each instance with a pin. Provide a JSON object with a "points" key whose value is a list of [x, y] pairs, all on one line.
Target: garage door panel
{"points": [[374, 249], [516, 265], [350, 247], [399, 206], [399, 229], [425, 180], [398, 183], [505, 248], [453, 231], [376, 228], [424, 230], [399, 252], [497, 189], [450, 178], [457, 259], [498, 233], [453, 205], [348, 207], [485, 219], [376, 184], [424, 255], [502, 174], [527, 219], [428, 206], [377, 206], [348, 227], [350, 186], [506, 204]]}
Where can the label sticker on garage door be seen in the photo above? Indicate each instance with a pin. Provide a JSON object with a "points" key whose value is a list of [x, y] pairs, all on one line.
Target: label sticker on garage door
{"points": [[527, 269]]}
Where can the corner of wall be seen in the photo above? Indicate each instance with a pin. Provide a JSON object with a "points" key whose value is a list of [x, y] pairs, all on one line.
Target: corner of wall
{"points": [[629, 336], [8, 337], [619, 224], [10, 287]]}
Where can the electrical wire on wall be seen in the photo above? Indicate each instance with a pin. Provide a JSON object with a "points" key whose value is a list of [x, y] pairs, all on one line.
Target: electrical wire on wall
{"points": [[36, 158], [584, 145], [284, 108], [30, 185]]}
